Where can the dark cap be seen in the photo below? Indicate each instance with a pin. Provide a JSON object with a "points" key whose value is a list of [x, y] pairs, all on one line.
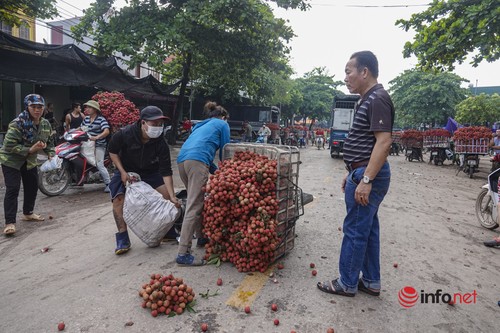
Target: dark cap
{"points": [[152, 113]]}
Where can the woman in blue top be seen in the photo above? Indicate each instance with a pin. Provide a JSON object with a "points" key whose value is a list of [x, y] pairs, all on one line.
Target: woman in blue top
{"points": [[195, 162]]}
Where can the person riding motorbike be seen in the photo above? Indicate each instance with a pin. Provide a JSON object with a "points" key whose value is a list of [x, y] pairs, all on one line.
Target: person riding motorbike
{"points": [[321, 134]]}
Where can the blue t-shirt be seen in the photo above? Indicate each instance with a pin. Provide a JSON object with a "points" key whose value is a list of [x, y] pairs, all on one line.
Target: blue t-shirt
{"points": [[95, 128], [206, 138], [496, 140]]}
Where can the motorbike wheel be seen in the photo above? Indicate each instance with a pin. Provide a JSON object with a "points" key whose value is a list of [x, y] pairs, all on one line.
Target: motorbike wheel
{"points": [[55, 182], [484, 210], [471, 172]]}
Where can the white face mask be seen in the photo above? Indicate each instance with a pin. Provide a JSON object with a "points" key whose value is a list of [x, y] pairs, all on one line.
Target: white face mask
{"points": [[154, 131]]}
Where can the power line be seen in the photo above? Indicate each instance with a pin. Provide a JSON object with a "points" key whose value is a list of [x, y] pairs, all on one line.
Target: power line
{"points": [[71, 5]]}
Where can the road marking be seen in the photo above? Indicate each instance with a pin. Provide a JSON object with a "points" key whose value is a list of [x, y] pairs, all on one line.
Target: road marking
{"points": [[249, 289]]}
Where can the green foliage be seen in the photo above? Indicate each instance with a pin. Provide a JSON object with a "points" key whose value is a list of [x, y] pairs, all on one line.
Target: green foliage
{"points": [[450, 30], [42, 9], [429, 98], [479, 110], [317, 89], [235, 45]]}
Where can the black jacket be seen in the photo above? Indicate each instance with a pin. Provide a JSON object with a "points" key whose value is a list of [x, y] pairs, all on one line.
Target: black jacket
{"points": [[148, 158]]}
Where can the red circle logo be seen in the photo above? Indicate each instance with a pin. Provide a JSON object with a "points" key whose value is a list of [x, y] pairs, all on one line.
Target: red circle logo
{"points": [[408, 297]]}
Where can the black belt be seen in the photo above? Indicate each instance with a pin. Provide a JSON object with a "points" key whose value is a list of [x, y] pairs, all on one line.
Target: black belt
{"points": [[355, 165]]}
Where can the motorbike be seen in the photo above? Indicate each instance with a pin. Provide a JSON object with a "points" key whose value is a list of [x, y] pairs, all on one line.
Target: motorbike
{"points": [[438, 155], [487, 201], [394, 149], [260, 139], [336, 147], [75, 168], [413, 153], [320, 142], [181, 134], [469, 164]]}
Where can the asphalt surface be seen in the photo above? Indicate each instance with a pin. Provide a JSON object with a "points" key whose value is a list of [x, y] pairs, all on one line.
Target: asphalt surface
{"points": [[79, 279]]}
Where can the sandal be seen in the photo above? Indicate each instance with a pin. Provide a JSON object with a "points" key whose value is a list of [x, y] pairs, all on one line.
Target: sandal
{"points": [[10, 229], [33, 217], [369, 291], [333, 287], [188, 260], [492, 243]]}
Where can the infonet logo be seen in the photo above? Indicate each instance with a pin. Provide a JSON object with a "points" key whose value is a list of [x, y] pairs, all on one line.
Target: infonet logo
{"points": [[408, 297]]}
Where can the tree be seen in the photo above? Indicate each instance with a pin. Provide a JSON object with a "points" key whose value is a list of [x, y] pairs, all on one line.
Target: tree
{"points": [[450, 30], [479, 110], [317, 88], [428, 98], [222, 46], [43, 9]]}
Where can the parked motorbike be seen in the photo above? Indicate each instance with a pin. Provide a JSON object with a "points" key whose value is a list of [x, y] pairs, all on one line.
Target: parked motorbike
{"points": [[337, 147], [487, 201], [395, 148], [320, 142], [181, 134], [413, 153], [438, 155], [469, 164], [75, 168]]}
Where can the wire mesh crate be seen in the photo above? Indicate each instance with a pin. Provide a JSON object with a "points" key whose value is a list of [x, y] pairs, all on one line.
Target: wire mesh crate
{"points": [[288, 194]]}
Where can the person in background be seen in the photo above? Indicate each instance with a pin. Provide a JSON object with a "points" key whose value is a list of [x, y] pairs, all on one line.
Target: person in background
{"points": [[27, 135], [186, 125], [74, 118], [139, 148], [365, 185], [98, 129], [320, 133], [247, 131], [264, 131], [195, 162], [49, 115]]}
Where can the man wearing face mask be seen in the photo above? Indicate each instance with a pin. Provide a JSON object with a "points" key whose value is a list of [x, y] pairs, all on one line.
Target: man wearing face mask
{"points": [[139, 148]]}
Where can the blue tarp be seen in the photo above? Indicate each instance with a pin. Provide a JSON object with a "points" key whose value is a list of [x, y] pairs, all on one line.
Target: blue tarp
{"points": [[452, 125]]}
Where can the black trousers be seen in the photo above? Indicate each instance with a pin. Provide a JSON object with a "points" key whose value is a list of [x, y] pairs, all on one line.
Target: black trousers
{"points": [[13, 179]]}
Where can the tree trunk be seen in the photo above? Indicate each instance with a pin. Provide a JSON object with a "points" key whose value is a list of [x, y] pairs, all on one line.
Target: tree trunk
{"points": [[180, 103]]}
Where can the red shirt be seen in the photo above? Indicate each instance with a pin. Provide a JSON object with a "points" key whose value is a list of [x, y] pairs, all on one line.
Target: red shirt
{"points": [[186, 125], [320, 132]]}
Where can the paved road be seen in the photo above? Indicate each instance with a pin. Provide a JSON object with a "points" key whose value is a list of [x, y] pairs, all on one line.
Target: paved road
{"points": [[81, 282]]}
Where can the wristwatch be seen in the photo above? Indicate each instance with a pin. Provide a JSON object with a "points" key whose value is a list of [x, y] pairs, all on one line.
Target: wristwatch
{"points": [[367, 180]]}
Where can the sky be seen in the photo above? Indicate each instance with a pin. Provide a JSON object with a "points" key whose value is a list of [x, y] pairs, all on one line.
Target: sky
{"points": [[331, 30]]}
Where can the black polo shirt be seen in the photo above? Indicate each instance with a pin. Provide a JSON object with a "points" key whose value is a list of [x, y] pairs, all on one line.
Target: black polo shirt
{"points": [[374, 113]]}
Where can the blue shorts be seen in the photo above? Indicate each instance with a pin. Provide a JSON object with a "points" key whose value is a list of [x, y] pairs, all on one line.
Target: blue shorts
{"points": [[116, 186]]}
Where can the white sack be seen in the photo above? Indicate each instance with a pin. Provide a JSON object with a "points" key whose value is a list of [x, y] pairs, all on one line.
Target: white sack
{"points": [[88, 151], [147, 213], [49, 165]]}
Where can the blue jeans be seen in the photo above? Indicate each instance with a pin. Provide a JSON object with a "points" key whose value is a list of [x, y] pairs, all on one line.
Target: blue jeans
{"points": [[361, 243]]}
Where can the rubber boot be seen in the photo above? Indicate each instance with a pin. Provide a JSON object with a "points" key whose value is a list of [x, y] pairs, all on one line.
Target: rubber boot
{"points": [[122, 242]]}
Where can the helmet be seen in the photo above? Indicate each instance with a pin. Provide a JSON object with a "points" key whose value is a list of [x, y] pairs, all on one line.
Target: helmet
{"points": [[33, 99]]}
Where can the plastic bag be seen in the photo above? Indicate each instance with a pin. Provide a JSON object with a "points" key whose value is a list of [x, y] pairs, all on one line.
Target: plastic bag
{"points": [[54, 163], [147, 213], [88, 151]]}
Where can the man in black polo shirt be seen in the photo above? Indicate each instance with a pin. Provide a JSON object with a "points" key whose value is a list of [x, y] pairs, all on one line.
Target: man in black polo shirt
{"points": [[367, 182]]}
